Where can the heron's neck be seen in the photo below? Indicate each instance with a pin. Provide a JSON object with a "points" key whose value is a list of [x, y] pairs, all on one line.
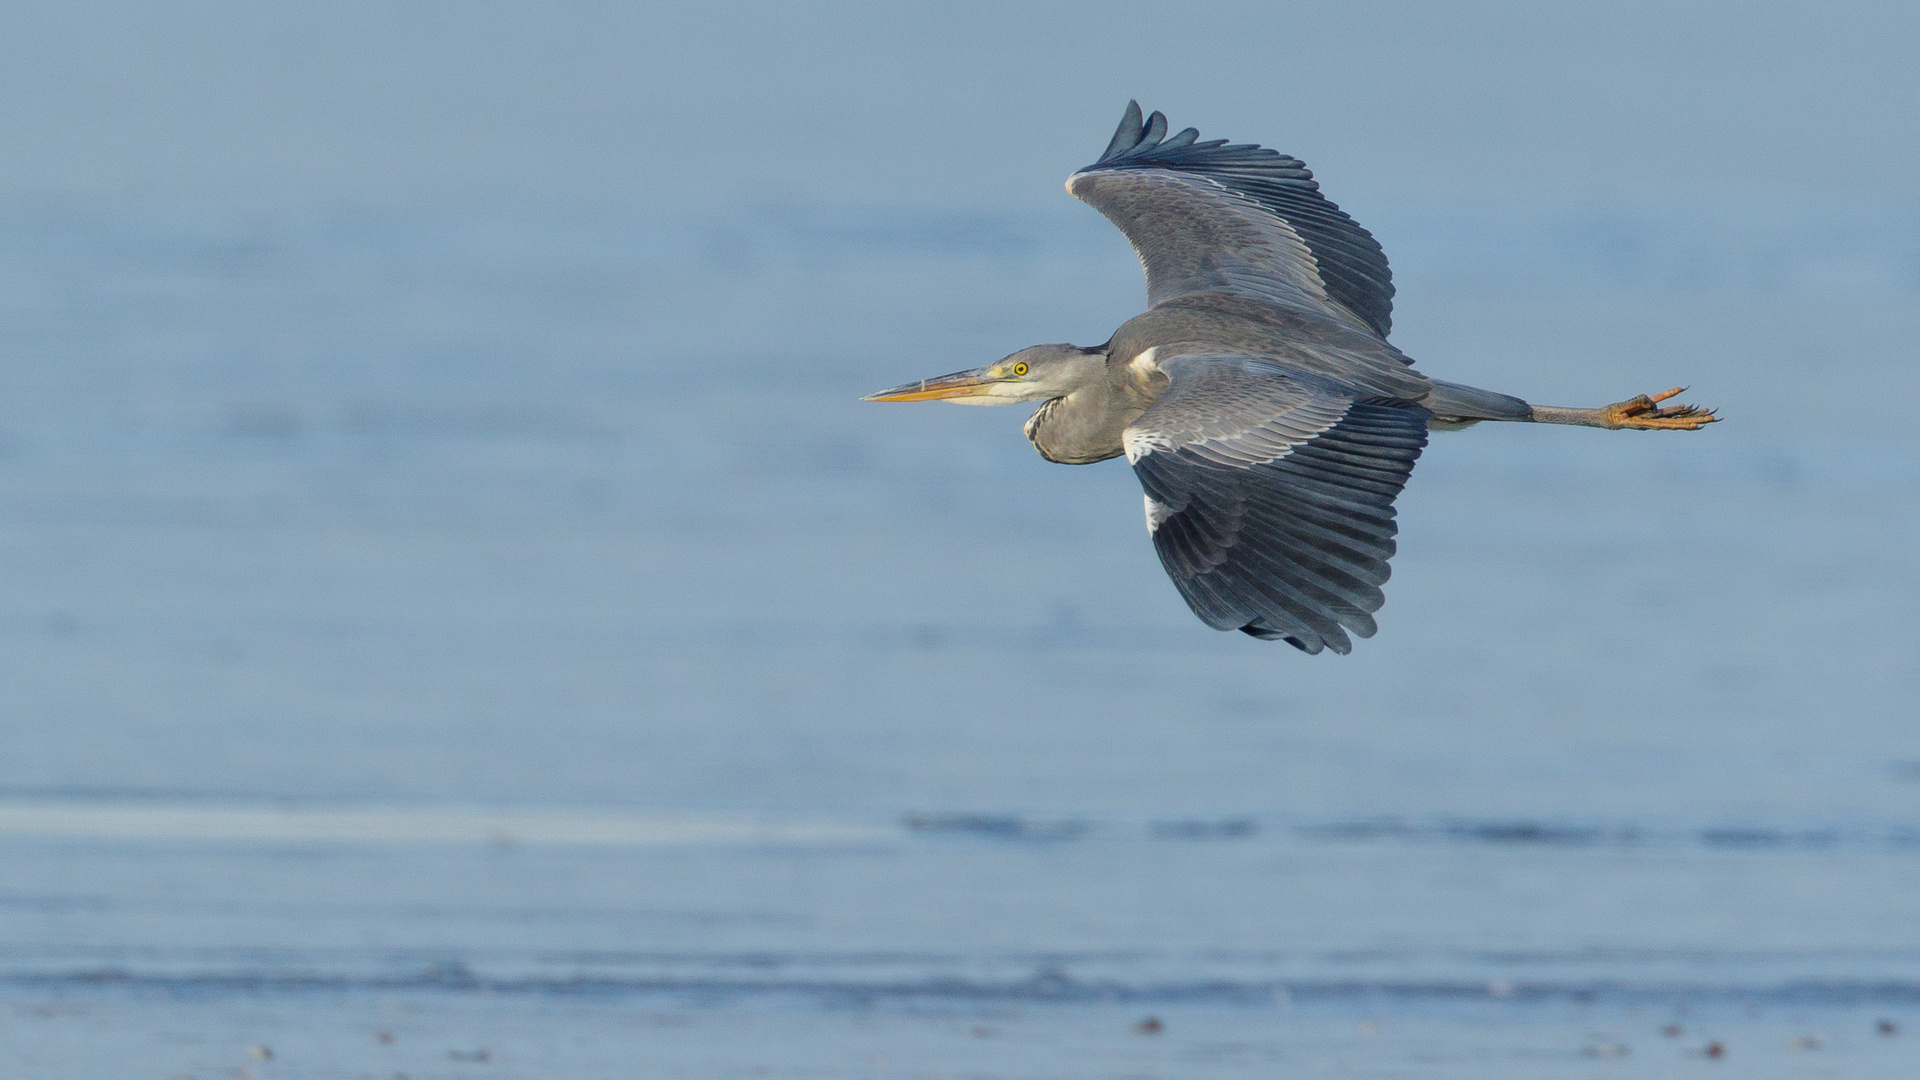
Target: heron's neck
{"points": [[1083, 427]]}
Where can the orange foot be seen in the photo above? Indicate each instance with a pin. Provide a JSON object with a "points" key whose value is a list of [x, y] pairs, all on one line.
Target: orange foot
{"points": [[1645, 414]]}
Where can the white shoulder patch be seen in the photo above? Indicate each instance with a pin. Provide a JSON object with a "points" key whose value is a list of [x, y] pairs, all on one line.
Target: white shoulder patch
{"points": [[1139, 444], [1157, 512]]}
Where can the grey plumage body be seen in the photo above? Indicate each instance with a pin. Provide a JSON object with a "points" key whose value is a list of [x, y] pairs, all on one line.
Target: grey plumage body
{"points": [[1268, 418], [1087, 425]]}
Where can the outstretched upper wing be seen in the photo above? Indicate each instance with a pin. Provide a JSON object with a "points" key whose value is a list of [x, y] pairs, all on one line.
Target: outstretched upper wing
{"points": [[1238, 218], [1270, 496]]}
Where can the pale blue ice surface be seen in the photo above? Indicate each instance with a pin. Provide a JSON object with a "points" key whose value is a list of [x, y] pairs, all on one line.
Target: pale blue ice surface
{"points": [[498, 624], [438, 516]]}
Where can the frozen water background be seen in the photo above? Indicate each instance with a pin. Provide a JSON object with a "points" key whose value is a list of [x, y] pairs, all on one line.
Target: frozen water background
{"points": [[454, 592]]}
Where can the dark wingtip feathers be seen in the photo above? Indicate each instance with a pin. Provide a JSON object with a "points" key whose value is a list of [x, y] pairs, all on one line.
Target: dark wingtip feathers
{"points": [[1144, 135], [1312, 648], [1156, 129], [1127, 135], [1138, 135], [1350, 259]]}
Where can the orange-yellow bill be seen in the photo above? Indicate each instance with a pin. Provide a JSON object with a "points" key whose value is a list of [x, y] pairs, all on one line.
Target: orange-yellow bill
{"points": [[959, 384]]}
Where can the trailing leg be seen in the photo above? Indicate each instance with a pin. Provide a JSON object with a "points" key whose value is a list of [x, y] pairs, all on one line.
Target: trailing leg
{"points": [[1641, 413]]}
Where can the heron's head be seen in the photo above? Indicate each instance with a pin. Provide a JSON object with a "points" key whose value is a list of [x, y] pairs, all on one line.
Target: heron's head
{"points": [[1035, 374]]}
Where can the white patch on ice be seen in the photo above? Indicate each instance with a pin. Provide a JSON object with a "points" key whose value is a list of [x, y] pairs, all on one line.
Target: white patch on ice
{"points": [[407, 825]]}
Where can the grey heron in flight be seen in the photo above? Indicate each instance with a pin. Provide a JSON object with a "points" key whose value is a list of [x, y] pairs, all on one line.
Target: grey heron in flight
{"points": [[1257, 398]]}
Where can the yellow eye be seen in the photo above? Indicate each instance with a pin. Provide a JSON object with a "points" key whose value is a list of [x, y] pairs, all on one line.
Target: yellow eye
{"points": [[1020, 368]]}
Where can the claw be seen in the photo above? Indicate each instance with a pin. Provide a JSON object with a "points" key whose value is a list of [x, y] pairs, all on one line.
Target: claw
{"points": [[1692, 420], [1642, 413]]}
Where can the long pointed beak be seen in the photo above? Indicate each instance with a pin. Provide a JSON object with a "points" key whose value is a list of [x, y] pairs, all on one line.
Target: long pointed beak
{"points": [[959, 384]]}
